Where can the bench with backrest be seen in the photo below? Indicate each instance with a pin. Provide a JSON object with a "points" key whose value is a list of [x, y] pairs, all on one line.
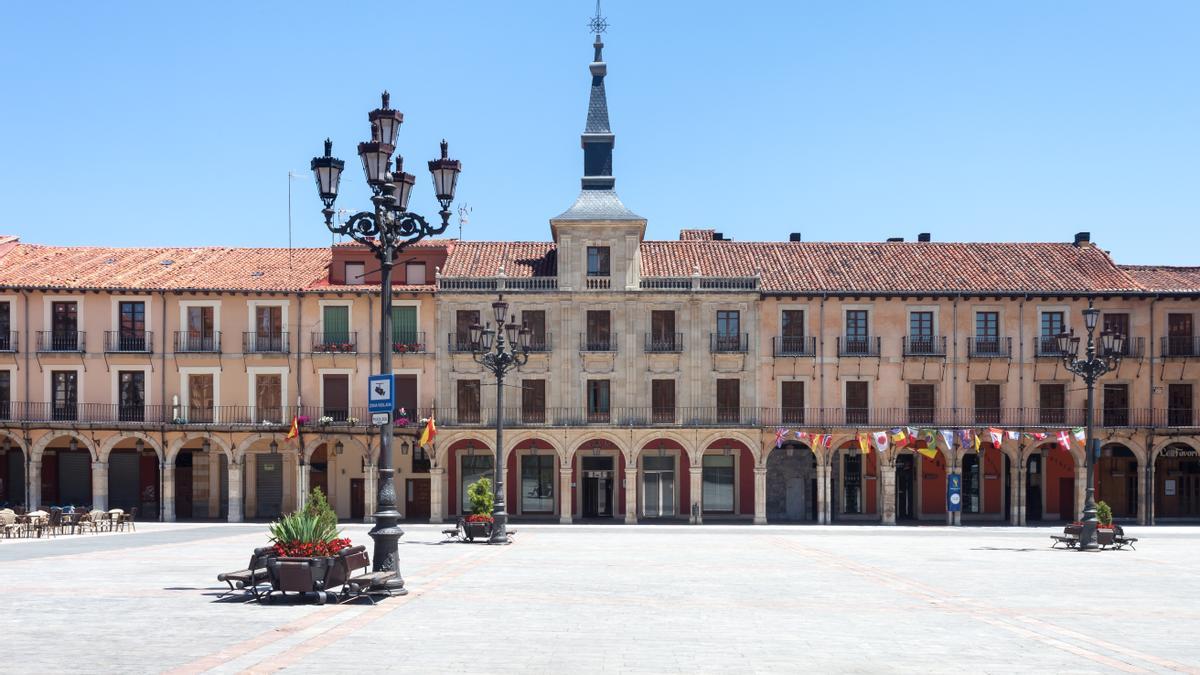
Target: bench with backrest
{"points": [[249, 579], [363, 584], [1069, 537]]}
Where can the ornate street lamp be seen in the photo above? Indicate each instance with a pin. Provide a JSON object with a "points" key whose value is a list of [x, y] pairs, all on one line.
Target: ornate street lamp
{"points": [[1090, 368], [386, 231], [511, 351]]}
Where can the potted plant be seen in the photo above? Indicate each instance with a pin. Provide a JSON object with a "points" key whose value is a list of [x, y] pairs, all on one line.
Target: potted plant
{"points": [[479, 522], [309, 533]]}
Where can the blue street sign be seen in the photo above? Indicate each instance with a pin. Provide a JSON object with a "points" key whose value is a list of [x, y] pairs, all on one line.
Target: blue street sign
{"points": [[954, 493], [380, 397]]}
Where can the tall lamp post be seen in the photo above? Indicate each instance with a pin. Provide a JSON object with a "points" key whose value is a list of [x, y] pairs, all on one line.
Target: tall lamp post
{"points": [[500, 350], [1090, 368], [386, 231]]}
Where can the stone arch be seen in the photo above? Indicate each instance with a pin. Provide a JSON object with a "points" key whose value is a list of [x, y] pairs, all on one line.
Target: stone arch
{"points": [[645, 443], [110, 443], [531, 435], [17, 441], [740, 436], [791, 482], [1189, 441], [175, 446], [441, 453], [40, 445], [311, 446], [248, 442], [619, 443]]}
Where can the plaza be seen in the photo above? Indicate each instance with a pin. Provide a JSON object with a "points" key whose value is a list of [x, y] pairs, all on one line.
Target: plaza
{"points": [[613, 598]]}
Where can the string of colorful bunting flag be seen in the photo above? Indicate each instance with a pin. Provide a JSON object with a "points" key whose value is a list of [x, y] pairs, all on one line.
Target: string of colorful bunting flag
{"points": [[927, 439]]}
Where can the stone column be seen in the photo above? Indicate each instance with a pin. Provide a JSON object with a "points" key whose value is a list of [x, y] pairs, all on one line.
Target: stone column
{"points": [[301, 483], [822, 493], [631, 482], [214, 482], [887, 506], [1148, 496], [168, 492], [100, 485], [234, 506], [437, 477], [830, 497], [564, 497], [371, 488], [760, 495], [696, 509], [1080, 488], [34, 494], [1014, 495]]}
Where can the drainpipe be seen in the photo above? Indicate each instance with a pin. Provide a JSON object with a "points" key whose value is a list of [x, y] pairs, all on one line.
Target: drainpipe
{"points": [[1148, 470], [25, 413], [162, 392]]}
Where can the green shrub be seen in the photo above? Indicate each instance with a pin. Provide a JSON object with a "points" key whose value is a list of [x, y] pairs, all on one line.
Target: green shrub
{"points": [[318, 507], [480, 495], [1104, 513], [302, 527]]}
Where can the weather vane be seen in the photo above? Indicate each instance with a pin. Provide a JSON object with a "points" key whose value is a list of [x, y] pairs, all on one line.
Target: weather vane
{"points": [[598, 24]]}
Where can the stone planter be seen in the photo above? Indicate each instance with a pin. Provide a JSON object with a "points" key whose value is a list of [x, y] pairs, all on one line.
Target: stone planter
{"points": [[471, 530], [314, 582]]}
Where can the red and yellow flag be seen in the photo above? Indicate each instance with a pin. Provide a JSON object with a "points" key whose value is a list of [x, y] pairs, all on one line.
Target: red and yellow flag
{"points": [[294, 432], [428, 433]]}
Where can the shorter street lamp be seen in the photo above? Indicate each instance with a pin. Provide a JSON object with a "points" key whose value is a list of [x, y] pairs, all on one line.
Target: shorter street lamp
{"points": [[1090, 368], [500, 350]]}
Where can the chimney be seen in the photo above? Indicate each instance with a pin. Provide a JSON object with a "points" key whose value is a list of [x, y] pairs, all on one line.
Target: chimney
{"points": [[894, 240], [795, 236], [719, 236], [924, 236], [1083, 239]]}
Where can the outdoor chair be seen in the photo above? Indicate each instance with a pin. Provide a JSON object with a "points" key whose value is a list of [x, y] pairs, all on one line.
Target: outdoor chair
{"points": [[127, 519], [1069, 537], [8, 521], [249, 579], [361, 585], [54, 521], [95, 520], [114, 516], [1120, 540]]}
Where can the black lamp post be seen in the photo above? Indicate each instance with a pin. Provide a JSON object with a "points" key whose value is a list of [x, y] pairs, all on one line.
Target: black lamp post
{"points": [[386, 231], [1090, 368], [500, 350]]}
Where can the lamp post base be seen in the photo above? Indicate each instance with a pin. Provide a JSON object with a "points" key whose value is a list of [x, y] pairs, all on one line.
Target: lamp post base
{"points": [[499, 529], [387, 555]]}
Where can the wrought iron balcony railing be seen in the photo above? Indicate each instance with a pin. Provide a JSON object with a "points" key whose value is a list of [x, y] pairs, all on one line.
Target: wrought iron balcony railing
{"points": [[197, 342], [924, 345], [124, 342], [987, 347], [265, 343], [664, 343], [10, 341], [61, 341], [858, 345], [597, 343], [794, 345], [1180, 347], [335, 342], [725, 343]]}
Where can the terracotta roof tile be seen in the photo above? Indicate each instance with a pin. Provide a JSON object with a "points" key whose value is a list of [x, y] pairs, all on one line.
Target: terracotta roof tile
{"points": [[1165, 279], [517, 258]]}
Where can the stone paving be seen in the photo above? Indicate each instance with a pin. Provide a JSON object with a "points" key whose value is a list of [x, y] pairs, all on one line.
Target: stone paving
{"points": [[590, 598]]}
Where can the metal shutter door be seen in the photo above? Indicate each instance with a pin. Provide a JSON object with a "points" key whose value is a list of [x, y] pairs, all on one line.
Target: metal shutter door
{"points": [[268, 483], [124, 484]]}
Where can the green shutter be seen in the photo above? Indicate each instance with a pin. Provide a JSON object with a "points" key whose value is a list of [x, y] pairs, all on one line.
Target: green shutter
{"points": [[404, 325], [337, 325]]}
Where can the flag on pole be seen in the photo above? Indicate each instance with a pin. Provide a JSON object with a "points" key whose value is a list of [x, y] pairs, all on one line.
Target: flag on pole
{"points": [[864, 443], [428, 433], [881, 441], [1079, 434], [780, 434], [294, 432], [997, 437], [827, 442], [1064, 439]]}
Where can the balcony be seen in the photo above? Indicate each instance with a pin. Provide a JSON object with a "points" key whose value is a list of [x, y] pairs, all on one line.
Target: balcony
{"points": [[597, 343], [336, 342], [664, 343], [794, 345], [265, 343], [924, 345], [196, 342], [598, 283], [699, 283], [61, 341], [497, 284], [9, 342], [719, 343], [128, 342], [459, 343], [1046, 347], [858, 345], [989, 347], [1134, 348], [540, 343], [1180, 347]]}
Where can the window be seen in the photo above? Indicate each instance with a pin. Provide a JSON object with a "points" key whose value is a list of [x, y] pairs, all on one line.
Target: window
{"points": [[920, 333], [1180, 341], [717, 473], [268, 327], [1179, 405], [200, 336], [200, 398], [336, 320], [662, 332], [987, 404], [131, 395], [598, 401], [414, 274], [728, 400], [468, 401], [420, 460], [6, 336], [405, 388], [474, 467], [662, 401], [857, 341], [792, 400], [792, 332], [405, 337], [857, 411], [920, 403], [1116, 405], [533, 401], [599, 331], [131, 326], [64, 386], [597, 261], [463, 320], [335, 392], [729, 331], [268, 398], [355, 273], [852, 483], [987, 333], [1053, 402], [535, 321], [64, 326], [5, 394], [1118, 324], [1053, 323], [537, 483]]}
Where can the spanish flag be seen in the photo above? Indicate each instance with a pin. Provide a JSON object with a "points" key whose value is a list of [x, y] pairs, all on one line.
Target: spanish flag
{"points": [[294, 432], [428, 433]]}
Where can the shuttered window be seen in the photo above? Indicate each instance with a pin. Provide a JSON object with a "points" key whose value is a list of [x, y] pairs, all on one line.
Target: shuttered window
{"points": [[404, 325], [337, 324]]}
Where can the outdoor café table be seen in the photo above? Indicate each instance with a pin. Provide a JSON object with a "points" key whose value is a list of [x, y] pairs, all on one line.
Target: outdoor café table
{"points": [[72, 520]]}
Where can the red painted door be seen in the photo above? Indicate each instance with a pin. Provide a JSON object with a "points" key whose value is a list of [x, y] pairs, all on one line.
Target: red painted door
{"points": [[1066, 498]]}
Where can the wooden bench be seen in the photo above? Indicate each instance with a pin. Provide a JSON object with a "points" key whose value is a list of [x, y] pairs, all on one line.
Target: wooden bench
{"points": [[354, 559], [1069, 537]]}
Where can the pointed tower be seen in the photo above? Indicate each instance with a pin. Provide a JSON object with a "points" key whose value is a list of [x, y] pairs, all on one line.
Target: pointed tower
{"points": [[598, 232]]}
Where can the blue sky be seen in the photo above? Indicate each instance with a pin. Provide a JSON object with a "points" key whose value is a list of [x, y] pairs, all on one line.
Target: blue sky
{"points": [[176, 123]]}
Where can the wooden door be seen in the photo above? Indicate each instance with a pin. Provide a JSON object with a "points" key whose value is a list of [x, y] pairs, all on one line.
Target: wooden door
{"points": [[416, 498], [358, 500]]}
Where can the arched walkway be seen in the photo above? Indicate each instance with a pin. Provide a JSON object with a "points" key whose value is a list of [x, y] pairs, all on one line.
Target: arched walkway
{"points": [[1177, 483], [1050, 486], [134, 484], [12, 473], [792, 484], [855, 483], [65, 476], [598, 472], [200, 478], [1117, 480], [343, 469], [664, 485], [724, 485]]}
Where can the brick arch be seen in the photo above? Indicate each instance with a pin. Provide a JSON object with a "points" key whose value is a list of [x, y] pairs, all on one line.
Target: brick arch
{"points": [[175, 446], [40, 445], [109, 444], [243, 448]]}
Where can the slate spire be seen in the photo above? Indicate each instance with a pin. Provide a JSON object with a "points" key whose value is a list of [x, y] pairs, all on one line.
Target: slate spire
{"points": [[597, 138]]}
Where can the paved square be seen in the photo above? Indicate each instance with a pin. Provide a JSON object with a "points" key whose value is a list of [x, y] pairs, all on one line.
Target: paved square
{"points": [[620, 599]]}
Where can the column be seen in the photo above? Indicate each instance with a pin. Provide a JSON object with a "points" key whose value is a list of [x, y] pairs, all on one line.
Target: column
{"points": [[437, 477], [696, 509], [371, 488], [1148, 494], [822, 493], [887, 506], [1014, 493], [760, 495], [168, 492], [301, 483], [830, 498], [1080, 487], [234, 507], [100, 485], [34, 495], [564, 497], [631, 482], [214, 483]]}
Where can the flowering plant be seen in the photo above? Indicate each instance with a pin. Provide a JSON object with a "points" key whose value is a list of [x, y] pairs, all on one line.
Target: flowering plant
{"points": [[480, 518], [311, 532], [351, 421], [325, 419], [310, 549], [302, 419], [402, 422]]}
